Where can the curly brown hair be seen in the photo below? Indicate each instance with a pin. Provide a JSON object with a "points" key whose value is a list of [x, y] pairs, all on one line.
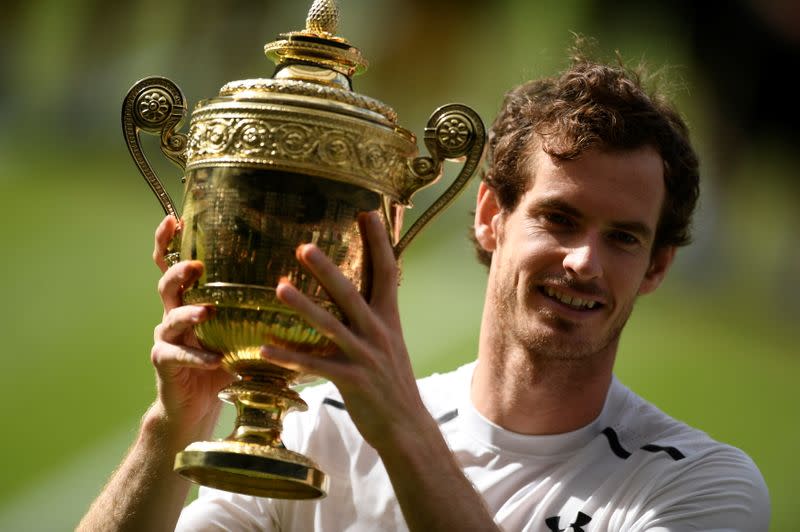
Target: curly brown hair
{"points": [[592, 105]]}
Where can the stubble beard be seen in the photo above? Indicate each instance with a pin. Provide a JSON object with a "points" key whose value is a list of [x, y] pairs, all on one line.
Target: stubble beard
{"points": [[546, 336]]}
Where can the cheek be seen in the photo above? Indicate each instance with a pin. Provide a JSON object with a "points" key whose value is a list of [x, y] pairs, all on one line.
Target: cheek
{"points": [[625, 279], [545, 246], [528, 251], [535, 260]]}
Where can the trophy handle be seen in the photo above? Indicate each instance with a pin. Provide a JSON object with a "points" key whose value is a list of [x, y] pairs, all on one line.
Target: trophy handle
{"points": [[453, 131], [156, 105]]}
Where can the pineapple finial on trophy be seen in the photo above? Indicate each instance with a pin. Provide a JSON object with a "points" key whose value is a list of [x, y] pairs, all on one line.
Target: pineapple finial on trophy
{"points": [[316, 54], [323, 17]]}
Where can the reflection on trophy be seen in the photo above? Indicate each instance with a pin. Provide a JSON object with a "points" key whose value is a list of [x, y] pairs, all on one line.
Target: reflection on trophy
{"points": [[270, 164]]}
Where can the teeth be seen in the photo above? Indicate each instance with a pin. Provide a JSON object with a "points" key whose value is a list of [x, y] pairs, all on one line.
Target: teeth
{"points": [[569, 300]]}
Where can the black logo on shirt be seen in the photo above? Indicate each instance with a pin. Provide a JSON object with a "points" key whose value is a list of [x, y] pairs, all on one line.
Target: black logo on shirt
{"points": [[553, 523], [619, 450]]}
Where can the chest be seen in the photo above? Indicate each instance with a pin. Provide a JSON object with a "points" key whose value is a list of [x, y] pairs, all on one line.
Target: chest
{"points": [[592, 489]]}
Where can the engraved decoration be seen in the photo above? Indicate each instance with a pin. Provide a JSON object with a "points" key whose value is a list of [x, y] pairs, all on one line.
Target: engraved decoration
{"points": [[454, 132], [304, 88], [371, 158], [154, 106]]}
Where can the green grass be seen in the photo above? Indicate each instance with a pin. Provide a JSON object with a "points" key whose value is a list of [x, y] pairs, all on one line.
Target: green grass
{"points": [[80, 305]]}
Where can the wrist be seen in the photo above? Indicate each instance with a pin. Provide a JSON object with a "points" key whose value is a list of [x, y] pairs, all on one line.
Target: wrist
{"points": [[174, 431], [418, 463], [419, 441], [161, 431], [156, 429]]}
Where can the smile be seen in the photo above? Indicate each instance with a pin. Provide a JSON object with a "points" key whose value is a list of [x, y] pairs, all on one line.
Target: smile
{"points": [[571, 301]]}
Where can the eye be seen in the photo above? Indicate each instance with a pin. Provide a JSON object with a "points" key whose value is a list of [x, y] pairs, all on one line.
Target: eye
{"points": [[624, 238], [557, 218]]}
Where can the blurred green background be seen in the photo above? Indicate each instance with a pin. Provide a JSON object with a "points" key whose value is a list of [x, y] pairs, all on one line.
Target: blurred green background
{"points": [[716, 346]]}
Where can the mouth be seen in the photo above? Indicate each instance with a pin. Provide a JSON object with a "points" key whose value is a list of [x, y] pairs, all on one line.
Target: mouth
{"points": [[583, 303]]}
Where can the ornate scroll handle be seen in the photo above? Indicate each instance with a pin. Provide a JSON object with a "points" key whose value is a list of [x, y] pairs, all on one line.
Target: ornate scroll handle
{"points": [[156, 105], [453, 131]]}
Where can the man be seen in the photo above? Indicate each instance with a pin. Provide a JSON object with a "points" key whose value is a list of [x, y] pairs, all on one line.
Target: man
{"points": [[590, 189]]}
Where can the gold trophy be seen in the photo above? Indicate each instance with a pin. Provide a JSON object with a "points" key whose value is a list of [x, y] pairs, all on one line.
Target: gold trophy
{"points": [[270, 164]]}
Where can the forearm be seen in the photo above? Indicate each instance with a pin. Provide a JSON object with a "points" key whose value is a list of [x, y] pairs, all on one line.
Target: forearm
{"points": [[433, 492], [143, 493]]}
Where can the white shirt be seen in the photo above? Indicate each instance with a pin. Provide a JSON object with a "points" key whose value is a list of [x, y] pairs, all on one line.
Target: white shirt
{"points": [[632, 469]]}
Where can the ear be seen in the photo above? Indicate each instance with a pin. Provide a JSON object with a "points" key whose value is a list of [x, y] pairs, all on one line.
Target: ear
{"points": [[487, 211], [659, 265]]}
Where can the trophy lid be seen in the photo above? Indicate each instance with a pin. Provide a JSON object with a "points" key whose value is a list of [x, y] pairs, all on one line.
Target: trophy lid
{"points": [[316, 63], [306, 119]]}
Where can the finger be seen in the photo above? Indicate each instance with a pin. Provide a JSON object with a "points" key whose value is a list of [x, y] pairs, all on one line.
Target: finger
{"points": [[339, 288], [326, 367], [385, 271], [180, 320], [166, 355], [164, 233], [319, 318], [175, 280]]}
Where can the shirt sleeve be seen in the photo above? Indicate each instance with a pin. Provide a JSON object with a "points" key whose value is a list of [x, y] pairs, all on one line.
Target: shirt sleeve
{"points": [[216, 510], [723, 492]]}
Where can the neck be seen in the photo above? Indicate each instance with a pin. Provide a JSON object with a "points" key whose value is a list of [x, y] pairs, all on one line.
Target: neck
{"points": [[538, 395]]}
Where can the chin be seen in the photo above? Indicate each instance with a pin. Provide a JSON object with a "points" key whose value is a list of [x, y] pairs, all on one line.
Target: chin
{"points": [[561, 339]]}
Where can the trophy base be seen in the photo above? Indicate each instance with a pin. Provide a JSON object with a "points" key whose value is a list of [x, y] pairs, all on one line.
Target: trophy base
{"points": [[252, 469]]}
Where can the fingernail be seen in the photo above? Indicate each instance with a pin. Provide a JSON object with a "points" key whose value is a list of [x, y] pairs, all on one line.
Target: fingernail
{"points": [[310, 252], [199, 314], [211, 359], [187, 273]]}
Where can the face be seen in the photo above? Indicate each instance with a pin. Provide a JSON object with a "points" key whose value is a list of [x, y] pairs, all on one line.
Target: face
{"points": [[569, 261]]}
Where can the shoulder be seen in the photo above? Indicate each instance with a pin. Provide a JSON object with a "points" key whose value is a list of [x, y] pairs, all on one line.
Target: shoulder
{"points": [[683, 473], [324, 415], [327, 411], [335, 435], [442, 392]]}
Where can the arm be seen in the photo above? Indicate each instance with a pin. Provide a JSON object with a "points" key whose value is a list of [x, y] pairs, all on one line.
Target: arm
{"points": [[144, 493], [374, 376]]}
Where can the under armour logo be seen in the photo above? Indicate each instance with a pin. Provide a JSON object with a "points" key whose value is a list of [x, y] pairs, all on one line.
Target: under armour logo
{"points": [[581, 520]]}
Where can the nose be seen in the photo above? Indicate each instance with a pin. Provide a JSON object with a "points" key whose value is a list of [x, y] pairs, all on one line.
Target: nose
{"points": [[582, 260]]}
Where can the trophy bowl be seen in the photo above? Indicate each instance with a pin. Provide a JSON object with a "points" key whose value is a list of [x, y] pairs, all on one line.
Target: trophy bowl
{"points": [[270, 164]]}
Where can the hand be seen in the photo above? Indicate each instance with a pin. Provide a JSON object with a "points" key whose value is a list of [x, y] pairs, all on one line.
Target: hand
{"points": [[371, 367], [189, 377]]}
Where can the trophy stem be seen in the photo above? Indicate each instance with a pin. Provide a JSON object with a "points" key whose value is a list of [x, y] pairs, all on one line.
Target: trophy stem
{"points": [[252, 459], [261, 403]]}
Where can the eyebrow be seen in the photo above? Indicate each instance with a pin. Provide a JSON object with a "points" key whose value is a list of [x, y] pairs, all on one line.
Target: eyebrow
{"points": [[555, 204]]}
